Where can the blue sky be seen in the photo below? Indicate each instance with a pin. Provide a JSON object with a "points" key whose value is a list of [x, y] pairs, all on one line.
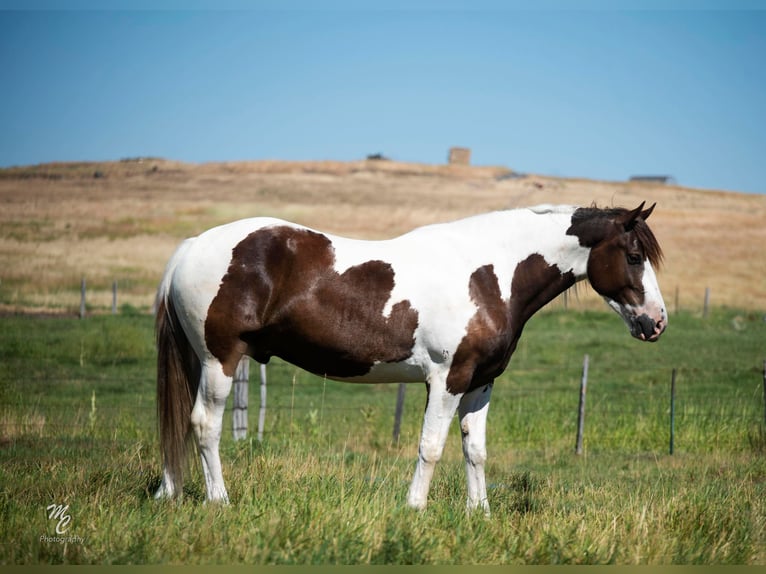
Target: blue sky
{"points": [[586, 92]]}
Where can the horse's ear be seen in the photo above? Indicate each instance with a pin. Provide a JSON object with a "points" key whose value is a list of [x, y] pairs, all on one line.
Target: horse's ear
{"points": [[628, 219], [647, 212]]}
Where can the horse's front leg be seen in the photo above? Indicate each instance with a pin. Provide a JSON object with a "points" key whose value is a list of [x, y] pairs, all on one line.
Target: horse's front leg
{"points": [[474, 407], [440, 409]]}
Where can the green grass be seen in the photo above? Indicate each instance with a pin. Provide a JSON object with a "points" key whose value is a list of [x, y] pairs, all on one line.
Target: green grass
{"points": [[326, 486]]}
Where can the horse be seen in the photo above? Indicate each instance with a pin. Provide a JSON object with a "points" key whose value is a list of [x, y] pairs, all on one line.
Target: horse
{"points": [[443, 304]]}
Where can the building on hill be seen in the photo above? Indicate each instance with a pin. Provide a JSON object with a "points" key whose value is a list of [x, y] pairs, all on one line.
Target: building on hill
{"points": [[459, 155], [665, 179]]}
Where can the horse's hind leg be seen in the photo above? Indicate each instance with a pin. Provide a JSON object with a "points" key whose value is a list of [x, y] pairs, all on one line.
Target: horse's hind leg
{"points": [[207, 422], [473, 427]]}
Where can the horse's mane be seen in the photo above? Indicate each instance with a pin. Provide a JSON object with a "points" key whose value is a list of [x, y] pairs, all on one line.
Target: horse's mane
{"points": [[644, 234]]}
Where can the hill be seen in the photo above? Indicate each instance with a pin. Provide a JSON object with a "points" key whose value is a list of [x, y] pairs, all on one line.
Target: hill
{"points": [[121, 220]]}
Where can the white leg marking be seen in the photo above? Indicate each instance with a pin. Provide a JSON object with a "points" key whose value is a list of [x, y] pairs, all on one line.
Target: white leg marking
{"points": [[207, 422], [474, 407], [166, 489], [439, 412]]}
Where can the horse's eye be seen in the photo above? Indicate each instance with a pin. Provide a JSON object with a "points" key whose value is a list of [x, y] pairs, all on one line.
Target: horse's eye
{"points": [[634, 259]]}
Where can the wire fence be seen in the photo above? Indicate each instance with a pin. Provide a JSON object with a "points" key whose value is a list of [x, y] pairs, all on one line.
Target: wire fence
{"points": [[526, 411]]}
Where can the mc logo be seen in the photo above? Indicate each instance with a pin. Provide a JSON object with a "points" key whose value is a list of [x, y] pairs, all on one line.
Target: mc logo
{"points": [[59, 513]]}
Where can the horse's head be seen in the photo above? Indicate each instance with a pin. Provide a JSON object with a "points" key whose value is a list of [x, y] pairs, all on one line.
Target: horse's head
{"points": [[623, 255]]}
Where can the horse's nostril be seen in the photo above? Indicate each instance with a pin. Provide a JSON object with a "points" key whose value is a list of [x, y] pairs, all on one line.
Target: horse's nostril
{"points": [[647, 325]]}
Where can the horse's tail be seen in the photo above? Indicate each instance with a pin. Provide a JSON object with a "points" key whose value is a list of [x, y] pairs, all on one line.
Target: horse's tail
{"points": [[178, 370]]}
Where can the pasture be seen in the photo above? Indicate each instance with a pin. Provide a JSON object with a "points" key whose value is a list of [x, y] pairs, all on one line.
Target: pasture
{"points": [[328, 486]]}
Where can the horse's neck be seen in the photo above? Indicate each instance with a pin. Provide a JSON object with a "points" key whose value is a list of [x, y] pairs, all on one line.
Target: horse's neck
{"points": [[547, 261], [528, 233]]}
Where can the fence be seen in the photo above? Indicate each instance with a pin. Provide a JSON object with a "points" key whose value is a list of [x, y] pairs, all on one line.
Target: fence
{"points": [[240, 405], [535, 411], [84, 297], [239, 410]]}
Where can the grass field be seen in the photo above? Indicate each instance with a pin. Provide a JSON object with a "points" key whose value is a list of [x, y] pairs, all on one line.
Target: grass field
{"points": [[327, 486]]}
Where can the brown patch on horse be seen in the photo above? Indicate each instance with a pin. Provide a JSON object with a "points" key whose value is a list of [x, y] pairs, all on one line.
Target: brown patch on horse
{"points": [[493, 332], [535, 284], [484, 347], [282, 297]]}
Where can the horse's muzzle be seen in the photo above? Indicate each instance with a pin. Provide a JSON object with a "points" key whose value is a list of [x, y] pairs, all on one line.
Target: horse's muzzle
{"points": [[647, 329]]}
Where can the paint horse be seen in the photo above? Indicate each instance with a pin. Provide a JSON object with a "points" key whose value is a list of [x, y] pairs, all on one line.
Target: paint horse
{"points": [[444, 304]]}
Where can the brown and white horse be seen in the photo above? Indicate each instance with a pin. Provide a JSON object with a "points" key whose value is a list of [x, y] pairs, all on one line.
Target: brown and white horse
{"points": [[444, 304]]}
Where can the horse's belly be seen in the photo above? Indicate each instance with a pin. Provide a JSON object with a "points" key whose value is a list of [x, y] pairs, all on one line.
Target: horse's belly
{"points": [[402, 372]]}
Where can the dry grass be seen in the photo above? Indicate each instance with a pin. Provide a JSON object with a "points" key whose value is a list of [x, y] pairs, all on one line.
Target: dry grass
{"points": [[59, 222], [14, 425]]}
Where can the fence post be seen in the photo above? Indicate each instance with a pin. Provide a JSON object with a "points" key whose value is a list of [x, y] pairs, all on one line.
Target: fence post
{"points": [[764, 393], [581, 408], [398, 412], [239, 419], [114, 297], [672, 410], [262, 412], [82, 297], [707, 302]]}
